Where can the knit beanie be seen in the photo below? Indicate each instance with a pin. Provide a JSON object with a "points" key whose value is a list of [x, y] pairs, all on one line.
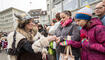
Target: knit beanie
{"points": [[84, 13]]}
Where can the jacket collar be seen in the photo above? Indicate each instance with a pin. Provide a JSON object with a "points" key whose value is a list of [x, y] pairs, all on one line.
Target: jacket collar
{"points": [[102, 17]]}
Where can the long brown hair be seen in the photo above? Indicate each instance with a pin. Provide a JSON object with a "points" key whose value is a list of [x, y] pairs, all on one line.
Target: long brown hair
{"points": [[22, 24], [28, 35], [67, 12]]}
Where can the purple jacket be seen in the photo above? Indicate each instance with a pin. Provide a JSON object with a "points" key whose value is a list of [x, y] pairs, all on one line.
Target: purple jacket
{"points": [[96, 38]]}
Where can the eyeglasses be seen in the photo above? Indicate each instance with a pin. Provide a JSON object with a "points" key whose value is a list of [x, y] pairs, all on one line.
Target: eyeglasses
{"points": [[103, 5], [98, 8]]}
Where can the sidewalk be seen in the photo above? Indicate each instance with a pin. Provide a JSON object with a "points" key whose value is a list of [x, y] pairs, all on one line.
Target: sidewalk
{"points": [[3, 56]]}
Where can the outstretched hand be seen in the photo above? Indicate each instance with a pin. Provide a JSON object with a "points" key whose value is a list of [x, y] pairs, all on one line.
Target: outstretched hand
{"points": [[52, 38], [44, 56], [58, 40]]}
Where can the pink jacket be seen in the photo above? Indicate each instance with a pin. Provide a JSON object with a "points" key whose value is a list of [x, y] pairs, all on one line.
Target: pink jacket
{"points": [[96, 37]]}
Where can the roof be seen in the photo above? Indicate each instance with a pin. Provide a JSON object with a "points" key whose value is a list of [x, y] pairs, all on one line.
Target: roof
{"points": [[11, 8], [35, 10]]}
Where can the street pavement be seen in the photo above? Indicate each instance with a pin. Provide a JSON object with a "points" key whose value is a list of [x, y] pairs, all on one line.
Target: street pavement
{"points": [[3, 56]]}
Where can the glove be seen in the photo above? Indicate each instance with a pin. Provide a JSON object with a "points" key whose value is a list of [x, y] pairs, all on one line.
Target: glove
{"points": [[82, 35], [85, 43], [66, 42]]}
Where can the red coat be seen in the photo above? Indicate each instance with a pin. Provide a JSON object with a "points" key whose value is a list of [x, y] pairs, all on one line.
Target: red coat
{"points": [[96, 37]]}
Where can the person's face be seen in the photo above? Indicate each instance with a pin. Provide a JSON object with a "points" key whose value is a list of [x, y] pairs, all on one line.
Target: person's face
{"points": [[39, 27], [81, 22], [100, 9], [103, 1], [30, 25], [52, 23], [64, 17]]}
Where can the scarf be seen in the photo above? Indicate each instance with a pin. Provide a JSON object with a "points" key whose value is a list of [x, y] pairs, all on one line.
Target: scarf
{"points": [[63, 24]]}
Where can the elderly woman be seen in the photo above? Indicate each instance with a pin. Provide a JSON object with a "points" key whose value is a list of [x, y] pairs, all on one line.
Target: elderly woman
{"points": [[24, 42]]}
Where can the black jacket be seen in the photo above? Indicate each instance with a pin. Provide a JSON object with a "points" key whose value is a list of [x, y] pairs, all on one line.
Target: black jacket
{"points": [[26, 52]]}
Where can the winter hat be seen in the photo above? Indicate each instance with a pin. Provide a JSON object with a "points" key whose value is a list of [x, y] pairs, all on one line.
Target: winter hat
{"points": [[84, 13], [23, 19]]}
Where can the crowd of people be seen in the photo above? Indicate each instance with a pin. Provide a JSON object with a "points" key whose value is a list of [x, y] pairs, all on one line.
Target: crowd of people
{"points": [[3, 44], [86, 33]]}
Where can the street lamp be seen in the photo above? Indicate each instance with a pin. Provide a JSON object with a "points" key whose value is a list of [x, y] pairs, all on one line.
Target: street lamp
{"points": [[62, 4], [30, 4]]}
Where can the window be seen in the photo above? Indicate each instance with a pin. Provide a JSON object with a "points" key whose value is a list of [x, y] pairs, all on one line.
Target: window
{"points": [[47, 0], [70, 4], [85, 2], [58, 7], [36, 13], [48, 7]]}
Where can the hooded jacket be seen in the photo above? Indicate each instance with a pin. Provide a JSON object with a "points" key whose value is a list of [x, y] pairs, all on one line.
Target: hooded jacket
{"points": [[95, 34]]}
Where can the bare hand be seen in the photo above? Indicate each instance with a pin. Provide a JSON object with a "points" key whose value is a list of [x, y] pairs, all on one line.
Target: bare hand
{"points": [[68, 37], [52, 38], [58, 40], [44, 56]]}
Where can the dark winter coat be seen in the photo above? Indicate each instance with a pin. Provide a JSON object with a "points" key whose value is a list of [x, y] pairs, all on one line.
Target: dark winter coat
{"points": [[26, 51], [23, 46]]}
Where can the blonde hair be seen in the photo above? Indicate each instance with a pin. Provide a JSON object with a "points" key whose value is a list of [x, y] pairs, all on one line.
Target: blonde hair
{"points": [[28, 35]]}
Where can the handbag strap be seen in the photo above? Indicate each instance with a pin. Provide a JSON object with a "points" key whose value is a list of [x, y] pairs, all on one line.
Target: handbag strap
{"points": [[70, 50], [14, 40], [69, 47], [67, 51]]}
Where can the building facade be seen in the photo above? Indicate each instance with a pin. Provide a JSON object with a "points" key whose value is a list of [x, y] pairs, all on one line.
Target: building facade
{"points": [[55, 6], [43, 18], [39, 15], [50, 6], [8, 20], [35, 13]]}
